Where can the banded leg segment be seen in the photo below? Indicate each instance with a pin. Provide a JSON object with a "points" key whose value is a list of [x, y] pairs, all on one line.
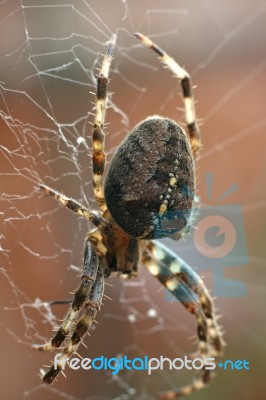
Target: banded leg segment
{"points": [[187, 89], [98, 136], [88, 277], [188, 277], [76, 207], [189, 289], [82, 327]]}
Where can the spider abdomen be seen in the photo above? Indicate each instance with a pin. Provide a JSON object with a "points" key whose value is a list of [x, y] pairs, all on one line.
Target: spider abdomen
{"points": [[150, 185]]}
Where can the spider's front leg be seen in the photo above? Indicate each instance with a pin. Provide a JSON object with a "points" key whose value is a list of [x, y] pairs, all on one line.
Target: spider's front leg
{"points": [[86, 302], [92, 216], [98, 134], [186, 286]]}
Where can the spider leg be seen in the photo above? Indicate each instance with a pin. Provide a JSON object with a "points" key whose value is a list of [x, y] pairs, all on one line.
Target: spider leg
{"points": [[188, 277], [73, 205], [189, 289], [187, 88], [88, 277], [83, 325], [98, 136]]}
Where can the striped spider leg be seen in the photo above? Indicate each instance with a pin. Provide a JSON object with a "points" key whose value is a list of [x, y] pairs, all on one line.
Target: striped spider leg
{"points": [[98, 135], [186, 84], [187, 287], [88, 296]]}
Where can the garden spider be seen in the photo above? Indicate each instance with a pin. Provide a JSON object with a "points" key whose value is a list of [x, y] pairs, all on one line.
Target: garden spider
{"points": [[148, 194]]}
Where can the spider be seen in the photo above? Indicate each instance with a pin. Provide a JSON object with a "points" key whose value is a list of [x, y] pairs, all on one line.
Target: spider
{"points": [[149, 193]]}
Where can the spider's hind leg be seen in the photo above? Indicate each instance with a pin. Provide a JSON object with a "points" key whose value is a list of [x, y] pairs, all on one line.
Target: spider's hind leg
{"points": [[185, 285]]}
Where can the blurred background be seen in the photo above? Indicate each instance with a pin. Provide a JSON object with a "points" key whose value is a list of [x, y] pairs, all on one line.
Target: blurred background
{"points": [[49, 55]]}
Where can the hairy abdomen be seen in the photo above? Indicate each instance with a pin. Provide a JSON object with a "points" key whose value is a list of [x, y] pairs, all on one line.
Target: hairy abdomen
{"points": [[150, 185]]}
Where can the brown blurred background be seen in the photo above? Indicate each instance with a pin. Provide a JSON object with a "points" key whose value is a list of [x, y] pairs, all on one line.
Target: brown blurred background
{"points": [[48, 61]]}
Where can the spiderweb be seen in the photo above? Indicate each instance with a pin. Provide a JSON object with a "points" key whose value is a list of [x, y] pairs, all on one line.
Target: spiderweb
{"points": [[49, 55]]}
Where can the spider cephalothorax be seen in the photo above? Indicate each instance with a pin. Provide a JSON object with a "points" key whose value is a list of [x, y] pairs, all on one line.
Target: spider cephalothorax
{"points": [[149, 193]]}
